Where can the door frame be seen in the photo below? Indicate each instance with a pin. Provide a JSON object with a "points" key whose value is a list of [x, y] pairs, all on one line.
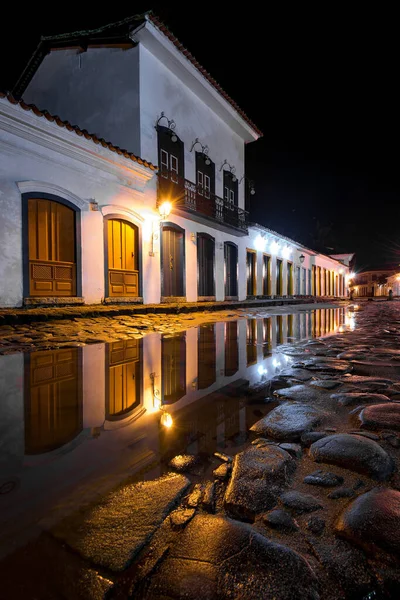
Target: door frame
{"points": [[209, 237], [25, 197], [117, 217], [232, 244], [172, 225]]}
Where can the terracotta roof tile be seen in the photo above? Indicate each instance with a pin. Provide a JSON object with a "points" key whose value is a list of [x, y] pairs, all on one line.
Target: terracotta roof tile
{"points": [[164, 29], [77, 130]]}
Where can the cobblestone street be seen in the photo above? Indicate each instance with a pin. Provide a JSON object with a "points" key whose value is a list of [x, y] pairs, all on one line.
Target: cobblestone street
{"points": [[307, 507]]}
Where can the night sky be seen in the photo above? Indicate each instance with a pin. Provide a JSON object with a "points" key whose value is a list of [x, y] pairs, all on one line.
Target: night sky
{"points": [[322, 86]]}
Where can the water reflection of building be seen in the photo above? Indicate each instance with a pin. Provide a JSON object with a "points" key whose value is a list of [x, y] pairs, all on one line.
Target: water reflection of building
{"points": [[76, 416]]}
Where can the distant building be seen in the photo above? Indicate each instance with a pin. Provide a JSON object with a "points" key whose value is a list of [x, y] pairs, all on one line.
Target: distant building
{"points": [[371, 283], [117, 125], [393, 283]]}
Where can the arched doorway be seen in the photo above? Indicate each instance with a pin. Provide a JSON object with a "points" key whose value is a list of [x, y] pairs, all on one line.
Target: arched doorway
{"points": [[53, 399], [123, 376], [51, 252], [231, 260], [172, 261], [205, 262], [122, 254]]}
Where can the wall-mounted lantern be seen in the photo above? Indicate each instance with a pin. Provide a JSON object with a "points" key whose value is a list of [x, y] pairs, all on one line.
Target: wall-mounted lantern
{"points": [[204, 150], [231, 168], [170, 125], [250, 184], [302, 258]]}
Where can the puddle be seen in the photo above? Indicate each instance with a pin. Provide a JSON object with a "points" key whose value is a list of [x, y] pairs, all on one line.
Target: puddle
{"points": [[78, 421]]}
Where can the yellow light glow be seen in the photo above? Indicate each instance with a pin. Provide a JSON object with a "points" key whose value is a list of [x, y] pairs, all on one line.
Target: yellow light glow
{"points": [[166, 420], [398, 277], [164, 209], [156, 404]]}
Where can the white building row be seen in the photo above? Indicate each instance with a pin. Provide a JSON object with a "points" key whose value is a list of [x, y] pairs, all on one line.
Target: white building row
{"points": [[81, 215]]}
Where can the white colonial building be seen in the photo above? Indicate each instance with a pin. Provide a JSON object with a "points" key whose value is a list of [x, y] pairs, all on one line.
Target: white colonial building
{"points": [[86, 220]]}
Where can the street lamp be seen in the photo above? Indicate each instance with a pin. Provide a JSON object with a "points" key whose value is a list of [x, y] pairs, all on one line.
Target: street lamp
{"points": [[302, 258], [164, 209]]}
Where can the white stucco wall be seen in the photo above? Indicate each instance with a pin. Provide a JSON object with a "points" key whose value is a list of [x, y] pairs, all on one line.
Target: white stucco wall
{"points": [[162, 91], [97, 90]]}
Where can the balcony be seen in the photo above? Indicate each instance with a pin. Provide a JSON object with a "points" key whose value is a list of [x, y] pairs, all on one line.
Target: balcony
{"points": [[201, 204]]}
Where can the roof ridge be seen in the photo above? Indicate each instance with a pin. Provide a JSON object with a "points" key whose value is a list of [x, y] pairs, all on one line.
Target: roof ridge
{"points": [[80, 132], [61, 36]]}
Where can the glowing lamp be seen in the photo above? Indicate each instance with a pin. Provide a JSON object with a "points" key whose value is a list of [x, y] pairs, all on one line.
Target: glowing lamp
{"points": [[274, 247], [286, 252], [261, 370], [260, 243], [164, 209], [166, 420]]}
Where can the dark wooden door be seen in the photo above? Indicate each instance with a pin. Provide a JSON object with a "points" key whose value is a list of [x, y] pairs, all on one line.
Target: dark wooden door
{"points": [[230, 270], [205, 184], [172, 262], [53, 400], [206, 357], [173, 357], [289, 286], [278, 277], [231, 348], [205, 260], [51, 243], [124, 374], [123, 273], [251, 341], [266, 275], [251, 273]]}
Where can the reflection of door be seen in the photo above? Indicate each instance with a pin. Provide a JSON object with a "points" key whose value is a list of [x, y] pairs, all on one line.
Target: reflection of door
{"points": [[173, 356], [231, 348], [230, 252], [172, 261], [205, 259], [251, 341], [206, 357], [52, 259], [53, 400], [124, 374], [267, 337], [251, 272], [123, 274]]}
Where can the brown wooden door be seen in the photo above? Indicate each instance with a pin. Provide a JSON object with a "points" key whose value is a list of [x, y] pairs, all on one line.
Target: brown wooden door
{"points": [[53, 401], [124, 374], [205, 265], [231, 348], [206, 357], [52, 248], [172, 262], [231, 259], [123, 273]]}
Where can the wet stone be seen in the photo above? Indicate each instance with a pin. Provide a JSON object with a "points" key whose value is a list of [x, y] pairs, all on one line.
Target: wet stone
{"points": [[183, 462], [223, 457], [258, 477], [355, 453], [222, 472], [300, 374], [194, 498], [280, 519], [111, 533], [316, 525], [181, 516], [312, 436], [342, 492], [367, 434], [299, 502], [208, 499], [352, 398], [294, 449], [381, 416], [289, 421], [300, 393], [372, 520], [323, 479], [221, 558], [326, 384]]}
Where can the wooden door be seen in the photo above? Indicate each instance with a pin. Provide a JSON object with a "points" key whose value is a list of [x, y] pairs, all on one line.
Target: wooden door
{"points": [[124, 374], [53, 400], [266, 275], [230, 270], [206, 357], [231, 348], [251, 273], [289, 286], [123, 273], [205, 259], [278, 277], [172, 262], [52, 248], [173, 356]]}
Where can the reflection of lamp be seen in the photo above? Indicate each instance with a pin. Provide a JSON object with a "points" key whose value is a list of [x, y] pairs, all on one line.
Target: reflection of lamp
{"points": [[302, 258], [204, 150], [166, 419], [231, 168], [171, 126]]}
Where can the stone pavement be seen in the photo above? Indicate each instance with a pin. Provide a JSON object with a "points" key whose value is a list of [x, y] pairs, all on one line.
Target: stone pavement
{"points": [[309, 509], [24, 330]]}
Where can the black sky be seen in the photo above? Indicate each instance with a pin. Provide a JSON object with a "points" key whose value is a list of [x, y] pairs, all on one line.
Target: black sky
{"points": [[321, 85]]}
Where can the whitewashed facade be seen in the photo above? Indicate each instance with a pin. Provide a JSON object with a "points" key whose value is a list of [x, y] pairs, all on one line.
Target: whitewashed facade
{"points": [[97, 204]]}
